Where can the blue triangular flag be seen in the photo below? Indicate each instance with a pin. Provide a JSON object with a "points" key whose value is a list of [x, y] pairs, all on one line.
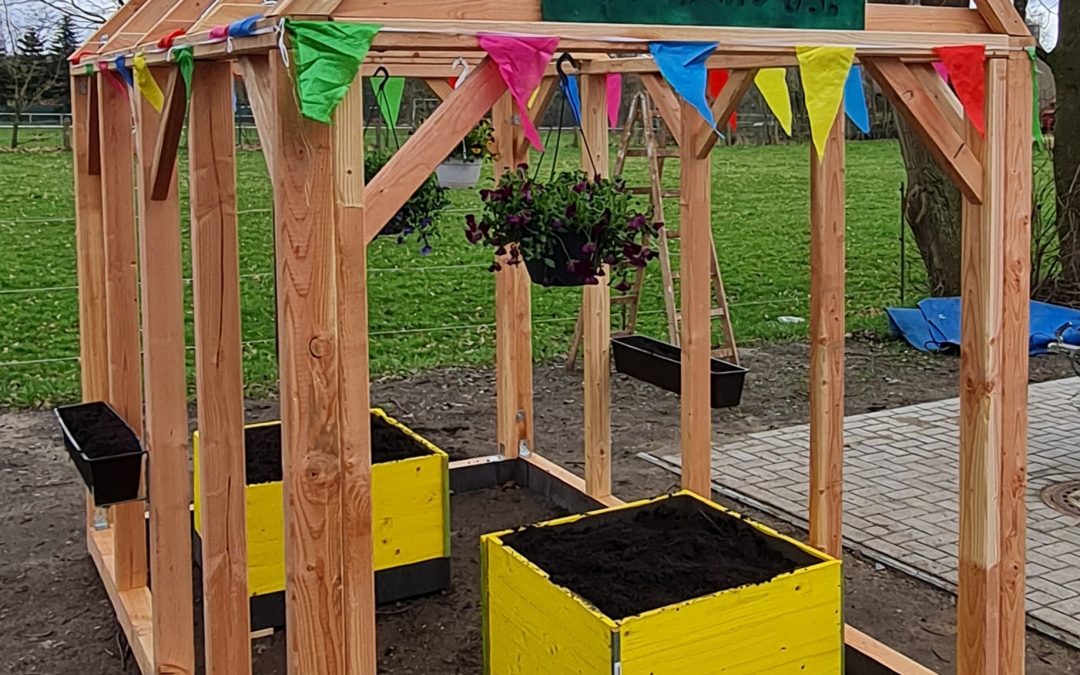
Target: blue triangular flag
{"points": [[573, 96], [855, 100], [683, 66], [244, 27], [125, 72]]}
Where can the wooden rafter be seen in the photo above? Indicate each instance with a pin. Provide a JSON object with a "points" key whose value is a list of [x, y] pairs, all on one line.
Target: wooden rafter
{"points": [[430, 145], [94, 43], [133, 30], [1002, 17], [726, 103], [167, 144], [667, 104], [931, 122], [181, 17]]}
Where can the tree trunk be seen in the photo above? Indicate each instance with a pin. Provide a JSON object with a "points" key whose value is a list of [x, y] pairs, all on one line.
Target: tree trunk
{"points": [[15, 131], [932, 208], [1065, 62]]}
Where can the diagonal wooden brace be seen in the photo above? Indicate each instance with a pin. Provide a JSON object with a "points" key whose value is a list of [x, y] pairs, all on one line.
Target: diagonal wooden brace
{"points": [[428, 147], [726, 103], [168, 138], [666, 102], [931, 122]]}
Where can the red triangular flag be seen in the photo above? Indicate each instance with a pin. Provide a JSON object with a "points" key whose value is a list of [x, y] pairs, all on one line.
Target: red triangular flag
{"points": [[452, 81], [967, 73], [718, 79]]}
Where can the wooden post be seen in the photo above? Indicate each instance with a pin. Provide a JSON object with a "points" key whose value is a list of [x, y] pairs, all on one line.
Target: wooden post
{"points": [[354, 422], [596, 305], [122, 315], [1014, 354], [219, 370], [304, 207], [513, 313], [827, 342], [90, 250], [981, 386], [695, 203]]}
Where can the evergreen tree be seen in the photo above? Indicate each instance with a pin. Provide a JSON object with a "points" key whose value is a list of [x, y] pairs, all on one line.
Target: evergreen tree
{"points": [[30, 44], [65, 41]]}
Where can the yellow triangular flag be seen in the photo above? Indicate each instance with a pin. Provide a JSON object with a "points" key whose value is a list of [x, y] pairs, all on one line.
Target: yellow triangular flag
{"points": [[772, 83], [532, 98], [147, 85], [824, 71]]}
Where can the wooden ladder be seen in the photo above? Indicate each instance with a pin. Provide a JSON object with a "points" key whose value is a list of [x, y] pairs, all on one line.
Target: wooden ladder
{"points": [[657, 149]]}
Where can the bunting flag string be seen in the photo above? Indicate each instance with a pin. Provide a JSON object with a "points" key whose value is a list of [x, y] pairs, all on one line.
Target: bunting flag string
{"points": [[147, 85], [824, 71], [718, 79], [682, 64], [613, 82], [124, 71], [522, 62], [855, 100], [966, 66], [185, 61], [327, 57], [388, 96], [1036, 122], [772, 83]]}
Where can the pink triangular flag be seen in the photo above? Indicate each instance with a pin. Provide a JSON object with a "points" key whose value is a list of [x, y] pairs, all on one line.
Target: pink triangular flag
{"points": [[967, 72], [941, 70], [522, 62], [614, 97]]}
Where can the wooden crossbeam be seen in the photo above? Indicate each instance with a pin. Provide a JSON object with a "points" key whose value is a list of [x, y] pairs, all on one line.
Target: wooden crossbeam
{"points": [[944, 97], [667, 104], [439, 86], [167, 143], [428, 147], [726, 103], [916, 18], [1002, 17], [931, 123]]}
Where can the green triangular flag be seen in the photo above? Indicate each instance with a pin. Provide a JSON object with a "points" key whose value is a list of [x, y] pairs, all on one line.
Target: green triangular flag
{"points": [[89, 69], [185, 60], [1036, 122], [327, 56], [388, 93]]}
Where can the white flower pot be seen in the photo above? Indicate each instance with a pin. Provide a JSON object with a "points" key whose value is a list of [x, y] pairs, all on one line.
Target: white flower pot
{"points": [[459, 174]]}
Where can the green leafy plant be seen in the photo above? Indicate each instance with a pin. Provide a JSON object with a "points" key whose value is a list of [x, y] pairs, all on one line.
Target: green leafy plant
{"points": [[476, 146], [419, 216], [572, 224]]}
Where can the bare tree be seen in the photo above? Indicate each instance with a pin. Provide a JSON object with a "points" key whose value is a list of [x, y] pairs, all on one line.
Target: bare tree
{"points": [[27, 73]]}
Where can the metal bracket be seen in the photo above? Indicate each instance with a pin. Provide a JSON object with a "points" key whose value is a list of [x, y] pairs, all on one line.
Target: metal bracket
{"points": [[523, 449]]}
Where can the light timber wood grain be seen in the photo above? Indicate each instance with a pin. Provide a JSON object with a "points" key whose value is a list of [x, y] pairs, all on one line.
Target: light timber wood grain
{"points": [[134, 607], [255, 70], [924, 19], [122, 315], [739, 82], [219, 371], [667, 104], [167, 144], [596, 304], [827, 342], [978, 604]]}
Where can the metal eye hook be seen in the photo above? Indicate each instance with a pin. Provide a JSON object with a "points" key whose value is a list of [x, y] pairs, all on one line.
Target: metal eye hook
{"points": [[567, 57], [381, 71]]}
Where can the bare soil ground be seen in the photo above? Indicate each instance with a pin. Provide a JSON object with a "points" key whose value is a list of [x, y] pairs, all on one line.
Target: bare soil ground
{"points": [[56, 619]]}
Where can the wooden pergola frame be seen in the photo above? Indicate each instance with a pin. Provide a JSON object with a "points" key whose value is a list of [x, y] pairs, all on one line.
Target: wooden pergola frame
{"points": [[326, 215]]}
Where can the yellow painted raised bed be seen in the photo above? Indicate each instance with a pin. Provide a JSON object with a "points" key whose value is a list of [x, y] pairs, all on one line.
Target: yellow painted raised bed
{"points": [[410, 513], [789, 622]]}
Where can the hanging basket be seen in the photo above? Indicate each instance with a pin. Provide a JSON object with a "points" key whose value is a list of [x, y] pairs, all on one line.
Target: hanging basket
{"points": [[558, 276], [459, 174], [660, 364]]}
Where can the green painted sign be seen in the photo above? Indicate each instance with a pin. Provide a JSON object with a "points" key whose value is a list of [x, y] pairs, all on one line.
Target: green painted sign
{"points": [[832, 14]]}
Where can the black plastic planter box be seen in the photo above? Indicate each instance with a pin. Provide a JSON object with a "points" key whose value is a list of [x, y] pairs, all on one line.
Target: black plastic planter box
{"points": [[105, 450], [660, 364]]}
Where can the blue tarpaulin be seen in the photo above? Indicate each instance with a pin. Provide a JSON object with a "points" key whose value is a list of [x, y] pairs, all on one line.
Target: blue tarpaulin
{"points": [[934, 326]]}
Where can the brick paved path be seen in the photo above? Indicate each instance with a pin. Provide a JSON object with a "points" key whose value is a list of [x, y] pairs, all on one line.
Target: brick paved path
{"points": [[900, 492]]}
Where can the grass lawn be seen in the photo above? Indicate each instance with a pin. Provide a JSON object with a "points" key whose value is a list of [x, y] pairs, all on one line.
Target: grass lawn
{"points": [[434, 311]]}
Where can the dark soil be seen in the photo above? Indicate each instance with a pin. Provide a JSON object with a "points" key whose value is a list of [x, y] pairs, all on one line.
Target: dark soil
{"points": [[55, 618], [631, 561], [263, 448], [99, 431]]}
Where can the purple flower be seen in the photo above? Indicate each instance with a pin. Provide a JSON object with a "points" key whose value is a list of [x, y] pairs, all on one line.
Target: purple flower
{"points": [[588, 248], [591, 281], [495, 267], [581, 187], [571, 210], [622, 287], [485, 195], [637, 222], [426, 250], [514, 220], [470, 220], [474, 236], [557, 225]]}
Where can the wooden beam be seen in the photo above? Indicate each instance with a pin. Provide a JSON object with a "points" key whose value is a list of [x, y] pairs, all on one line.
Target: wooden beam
{"points": [[1016, 270], [892, 660], [644, 63], [942, 94], [596, 303], [457, 10], [304, 207], [99, 37], [181, 17], [726, 103], [255, 70], [1002, 17], [165, 384], [428, 147], [951, 150], [167, 143], [695, 226], [133, 607], [141, 22], [907, 18], [305, 7], [667, 104], [513, 311], [439, 86], [122, 315], [981, 384], [219, 377], [225, 13], [354, 426], [827, 217]]}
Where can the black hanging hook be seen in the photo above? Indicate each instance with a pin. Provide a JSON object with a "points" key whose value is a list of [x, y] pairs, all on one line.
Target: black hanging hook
{"points": [[566, 58]]}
